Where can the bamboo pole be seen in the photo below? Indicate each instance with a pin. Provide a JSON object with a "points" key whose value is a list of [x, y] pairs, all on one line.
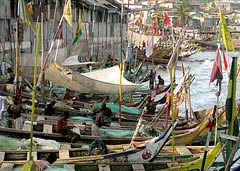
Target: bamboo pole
{"points": [[34, 89], [42, 57], [173, 113]]}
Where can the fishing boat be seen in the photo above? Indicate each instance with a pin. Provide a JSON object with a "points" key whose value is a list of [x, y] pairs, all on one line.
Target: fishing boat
{"points": [[151, 156], [102, 81], [147, 152]]}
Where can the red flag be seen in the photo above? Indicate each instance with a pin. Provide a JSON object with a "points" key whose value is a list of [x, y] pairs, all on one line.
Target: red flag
{"points": [[154, 27], [217, 68], [140, 21], [217, 72], [166, 19], [225, 62]]}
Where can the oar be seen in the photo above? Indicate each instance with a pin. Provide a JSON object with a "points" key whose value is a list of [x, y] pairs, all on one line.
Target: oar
{"points": [[208, 137]]}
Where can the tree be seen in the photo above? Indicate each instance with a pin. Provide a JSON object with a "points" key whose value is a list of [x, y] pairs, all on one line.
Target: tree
{"points": [[183, 12]]}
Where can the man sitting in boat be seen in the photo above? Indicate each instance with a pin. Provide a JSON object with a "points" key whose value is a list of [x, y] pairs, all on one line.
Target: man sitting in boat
{"points": [[150, 106], [103, 117], [65, 129], [160, 83], [14, 112], [49, 110], [11, 76]]}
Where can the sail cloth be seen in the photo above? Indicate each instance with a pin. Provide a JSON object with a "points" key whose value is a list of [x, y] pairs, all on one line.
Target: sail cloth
{"points": [[103, 81], [62, 76], [73, 63]]}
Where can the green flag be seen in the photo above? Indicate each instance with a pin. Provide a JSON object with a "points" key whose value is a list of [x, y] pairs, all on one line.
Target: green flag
{"points": [[78, 31], [231, 106]]}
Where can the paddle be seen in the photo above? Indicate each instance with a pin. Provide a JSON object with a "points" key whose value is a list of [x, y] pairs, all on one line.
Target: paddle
{"points": [[208, 137]]}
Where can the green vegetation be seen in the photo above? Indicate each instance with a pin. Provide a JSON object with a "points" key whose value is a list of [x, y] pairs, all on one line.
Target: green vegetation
{"points": [[183, 12]]}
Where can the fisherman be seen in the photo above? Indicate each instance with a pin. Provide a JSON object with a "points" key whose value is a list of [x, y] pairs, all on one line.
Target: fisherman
{"points": [[143, 45], [14, 112], [150, 106], [49, 109], [160, 83], [11, 76], [65, 129], [102, 118], [46, 164]]}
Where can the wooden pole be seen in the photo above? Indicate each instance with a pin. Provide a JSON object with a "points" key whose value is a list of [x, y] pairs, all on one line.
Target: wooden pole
{"points": [[173, 113], [17, 63], [42, 58]]}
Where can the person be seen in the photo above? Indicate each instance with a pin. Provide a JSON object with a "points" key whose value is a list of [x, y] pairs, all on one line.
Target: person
{"points": [[69, 95], [11, 76], [150, 106], [45, 164], [14, 112], [97, 147], [143, 45], [160, 82], [65, 129], [102, 118], [49, 109]]}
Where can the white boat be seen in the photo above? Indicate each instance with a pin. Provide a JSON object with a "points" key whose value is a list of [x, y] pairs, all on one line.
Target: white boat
{"points": [[102, 81]]}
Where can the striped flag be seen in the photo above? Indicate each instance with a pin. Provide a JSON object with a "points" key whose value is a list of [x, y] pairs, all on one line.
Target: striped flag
{"points": [[78, 31], [231, 106], [227, 40], [67, 13]]}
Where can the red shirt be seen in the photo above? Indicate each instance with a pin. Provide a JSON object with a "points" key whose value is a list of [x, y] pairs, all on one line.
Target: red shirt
{"points": [[61, 123]]}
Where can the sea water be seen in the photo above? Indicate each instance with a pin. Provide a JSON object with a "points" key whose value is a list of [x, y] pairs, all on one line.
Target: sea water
{"points": [[202, 93]]}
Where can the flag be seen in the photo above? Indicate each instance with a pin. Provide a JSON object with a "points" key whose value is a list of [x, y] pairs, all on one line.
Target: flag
{"points": [[167, 19], [217, 71], [30, 8], [227, 40], [225, 62], [25, 16], [174, 58], [67, 13], [217, 68], [149, 48], [231, 106], [78, 31]]}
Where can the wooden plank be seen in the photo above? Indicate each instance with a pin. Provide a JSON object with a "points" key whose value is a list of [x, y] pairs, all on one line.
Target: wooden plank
{"points": [[69, 167], [7, 166], [34, 154], [26, 126], [77, 130], [183, 151], [2, 155], [104, 167], [47, 128], [229, 137], [63, 152], [40, 118], [138, 167]]}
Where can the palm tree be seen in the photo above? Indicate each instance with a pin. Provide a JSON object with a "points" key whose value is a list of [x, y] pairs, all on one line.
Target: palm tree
{"points": [[183, 12]]}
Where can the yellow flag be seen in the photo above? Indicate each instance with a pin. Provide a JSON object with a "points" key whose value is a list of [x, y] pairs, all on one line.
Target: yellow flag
{"points": [[67, 13], [30, 9], [227, 40]]}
